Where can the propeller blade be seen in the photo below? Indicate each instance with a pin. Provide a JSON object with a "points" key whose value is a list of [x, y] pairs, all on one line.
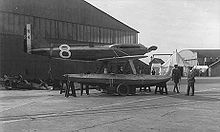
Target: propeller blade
{"points": [[152, 48]]}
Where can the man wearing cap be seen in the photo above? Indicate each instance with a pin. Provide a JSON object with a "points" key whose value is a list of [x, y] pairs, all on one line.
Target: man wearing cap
{"points": [[190, 80], [176, 76]]}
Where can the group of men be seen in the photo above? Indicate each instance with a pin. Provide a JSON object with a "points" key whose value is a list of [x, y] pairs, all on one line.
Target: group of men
{"points": [[176, 77]]}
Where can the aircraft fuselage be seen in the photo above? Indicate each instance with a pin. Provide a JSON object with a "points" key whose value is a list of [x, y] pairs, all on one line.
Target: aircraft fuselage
{"points": [[91, 53]]}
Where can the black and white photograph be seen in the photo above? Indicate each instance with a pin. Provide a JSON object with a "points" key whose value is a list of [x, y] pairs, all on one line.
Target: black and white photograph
{"points": [[109, 65]]}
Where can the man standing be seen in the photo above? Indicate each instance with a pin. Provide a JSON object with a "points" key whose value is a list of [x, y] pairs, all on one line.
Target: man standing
{"points": [[153, 72], [191, 81], [176, 76]]}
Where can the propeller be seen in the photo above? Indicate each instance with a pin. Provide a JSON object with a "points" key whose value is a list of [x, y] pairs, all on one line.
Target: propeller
{"points": [[152, 48]]}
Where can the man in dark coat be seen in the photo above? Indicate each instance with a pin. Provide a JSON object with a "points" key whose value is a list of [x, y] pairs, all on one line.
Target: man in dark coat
{"points": [[176, 76], [191, 81]]}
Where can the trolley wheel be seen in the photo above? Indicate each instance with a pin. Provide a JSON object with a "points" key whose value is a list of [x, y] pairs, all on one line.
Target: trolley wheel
{"points": [[122, 89]]}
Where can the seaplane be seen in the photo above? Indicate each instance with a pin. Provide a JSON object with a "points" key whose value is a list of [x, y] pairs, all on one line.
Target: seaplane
{"points": [[122, 84]]}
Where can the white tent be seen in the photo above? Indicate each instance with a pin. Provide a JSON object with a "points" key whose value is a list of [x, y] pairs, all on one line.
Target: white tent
{"points": [[167, 67]]}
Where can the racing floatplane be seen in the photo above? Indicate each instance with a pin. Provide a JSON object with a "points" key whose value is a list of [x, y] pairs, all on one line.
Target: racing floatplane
{"points": [[122, 84]]}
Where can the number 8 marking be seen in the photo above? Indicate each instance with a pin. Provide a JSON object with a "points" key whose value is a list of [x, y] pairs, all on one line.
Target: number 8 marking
{"points": [[64, 48]]}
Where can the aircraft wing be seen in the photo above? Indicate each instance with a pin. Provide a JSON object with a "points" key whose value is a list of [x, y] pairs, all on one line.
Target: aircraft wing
{"points": [[123, 58], [72, 60]]}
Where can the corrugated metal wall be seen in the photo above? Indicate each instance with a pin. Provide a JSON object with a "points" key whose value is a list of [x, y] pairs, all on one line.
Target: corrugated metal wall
{"points": [[15, 61]]}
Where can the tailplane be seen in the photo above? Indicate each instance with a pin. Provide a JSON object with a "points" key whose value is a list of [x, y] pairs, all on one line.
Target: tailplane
{"points": [[27, 38]]}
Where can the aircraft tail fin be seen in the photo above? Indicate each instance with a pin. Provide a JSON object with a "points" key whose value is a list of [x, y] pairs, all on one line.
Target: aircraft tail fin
{"points": [[27, 38]]}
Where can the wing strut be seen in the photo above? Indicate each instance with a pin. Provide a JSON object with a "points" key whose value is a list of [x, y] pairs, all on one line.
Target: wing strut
{"points": [[131, 62]]}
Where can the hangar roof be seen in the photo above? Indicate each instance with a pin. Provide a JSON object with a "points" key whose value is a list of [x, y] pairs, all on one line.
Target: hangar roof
{"points": [[207, 52], [75, 11], [157, 60], [112, 17]]}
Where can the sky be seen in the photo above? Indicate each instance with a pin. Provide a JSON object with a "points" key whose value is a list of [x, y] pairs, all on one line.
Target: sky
{"points": [[169, 24]]}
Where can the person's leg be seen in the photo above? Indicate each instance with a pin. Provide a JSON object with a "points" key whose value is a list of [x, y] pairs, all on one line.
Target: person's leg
{"points": [[155, 92], [192, 89], [73, 89], [140, 89], [174, 87], [81, 85], [61, 89], [165, 86], [188, 87], [87, 89], [67, 89], [145, 89], [149, 89], [177, 89]]}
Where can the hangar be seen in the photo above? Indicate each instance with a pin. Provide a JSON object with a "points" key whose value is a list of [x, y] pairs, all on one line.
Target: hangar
{"points": [[201, 57], [214, 69], [57, 22]]}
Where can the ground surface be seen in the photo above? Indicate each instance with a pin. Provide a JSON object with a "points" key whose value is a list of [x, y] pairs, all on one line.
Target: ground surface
{"points": [[45, 111]]}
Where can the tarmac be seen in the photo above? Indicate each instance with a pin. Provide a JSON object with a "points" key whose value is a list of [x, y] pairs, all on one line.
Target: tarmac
{"points": [[47, 110]]}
